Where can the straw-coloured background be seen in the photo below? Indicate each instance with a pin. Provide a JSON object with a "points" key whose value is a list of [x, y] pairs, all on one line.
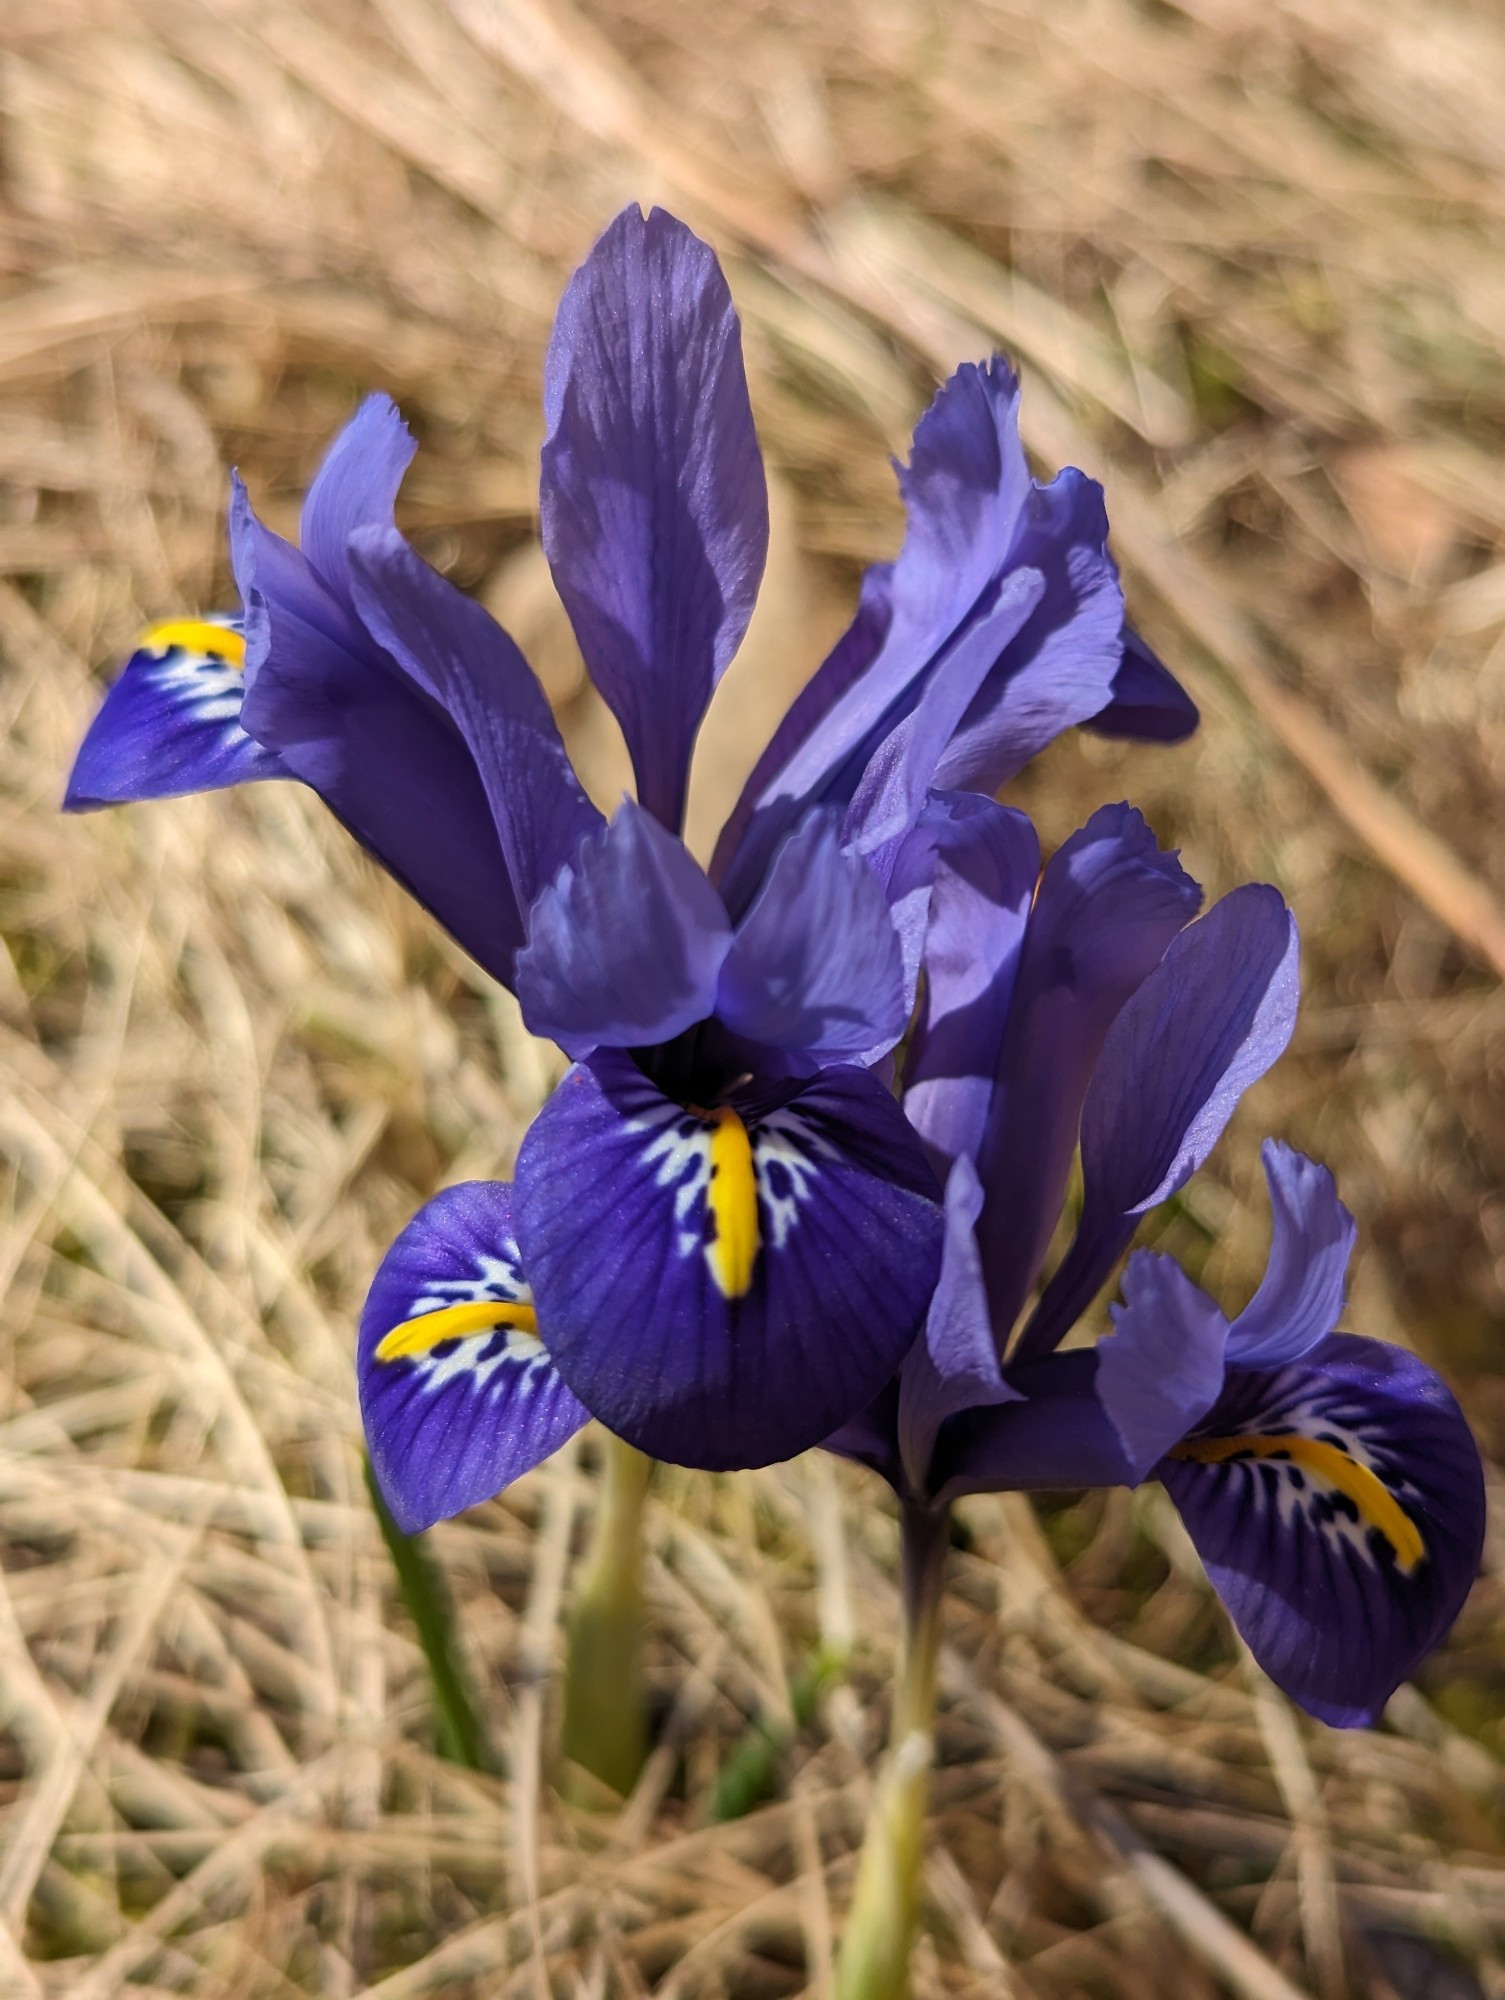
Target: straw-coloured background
{"points": [[1251, 258]]}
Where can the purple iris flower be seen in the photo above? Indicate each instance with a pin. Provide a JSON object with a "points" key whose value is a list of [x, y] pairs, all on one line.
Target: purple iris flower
{"points": [[723, 1233], [1329, 1482]]}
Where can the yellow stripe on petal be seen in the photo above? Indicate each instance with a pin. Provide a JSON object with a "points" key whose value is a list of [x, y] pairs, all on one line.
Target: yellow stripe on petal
{"points": [[196, 635], [430, 1329], [733, 1197], [1377, 1505]]}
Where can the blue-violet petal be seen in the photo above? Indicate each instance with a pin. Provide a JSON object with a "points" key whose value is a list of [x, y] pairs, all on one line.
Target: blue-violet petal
{"points": [[815, 965], [458, 1395], [378, 747], [654, 504], [1300, 1297], [448, 642], [1338, 1504], [1109, 904], [720, 1286], [170, 724], [626, 945], [986, 865], [1149, 704], [1209, 1020]]}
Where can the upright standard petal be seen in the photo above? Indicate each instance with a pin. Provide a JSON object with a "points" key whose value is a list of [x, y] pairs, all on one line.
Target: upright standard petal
{"points": [[170, 724], [1300, 1297], [356, 487], [1160, 1370], [910, 761], [975, 518], [1212, 1017], [886, 821], [907, 875], [453, 646], [986, 867], [1338, 1504], [626, 945], [964, 491], [1061, 666], [458, 1395], [1149, 704], [1109, 904], [953, 1366], [1163, 1367], [852, 655], [654, 505], [725, 1286], [815, 966], [378, 747]]}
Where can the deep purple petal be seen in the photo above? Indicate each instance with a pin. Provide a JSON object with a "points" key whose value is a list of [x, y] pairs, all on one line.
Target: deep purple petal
{"points": [[871, 1438], [270, 571], [908, 877], [378, 748], [1060, 668], [1217, 1013], [654, 506], [1057, 1435], [1109, 904], [1160, 1370], [626, 944], [852, 654], [907, 762], [171, 722], [1163, 1366], [355, 487], [1344, 1535], [451, 644], [1149, 704], [953, 1366], [899, 824], [965, 491], [469, 1401], [975, 518], [815, 965], [718, 1292], [1300, 1298], [986, 865], [1212, 1017]]}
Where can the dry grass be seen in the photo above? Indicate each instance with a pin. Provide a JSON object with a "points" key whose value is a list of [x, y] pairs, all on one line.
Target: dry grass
{"points": [[1252, 257]]}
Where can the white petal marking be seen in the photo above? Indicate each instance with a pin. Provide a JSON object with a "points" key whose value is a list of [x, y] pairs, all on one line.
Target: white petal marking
{"points": [[479, 1355]]}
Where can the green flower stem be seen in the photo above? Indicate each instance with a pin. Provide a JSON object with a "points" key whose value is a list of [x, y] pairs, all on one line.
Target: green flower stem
{"points": [[457, 1715], [605, 1724], [873, 1962]]}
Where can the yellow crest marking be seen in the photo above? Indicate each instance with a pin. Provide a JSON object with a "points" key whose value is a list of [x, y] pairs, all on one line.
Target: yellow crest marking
{"points": [[428, 1330], [1377, 1505], [196, 635], [733, 1196]]}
